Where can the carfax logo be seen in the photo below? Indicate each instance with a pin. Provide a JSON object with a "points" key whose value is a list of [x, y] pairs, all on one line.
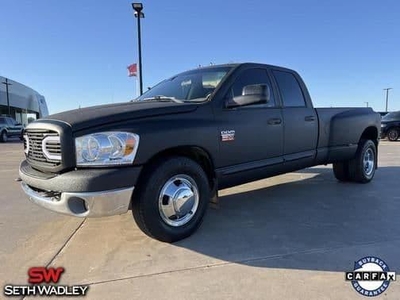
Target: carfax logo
{"points": [[371, 276]]}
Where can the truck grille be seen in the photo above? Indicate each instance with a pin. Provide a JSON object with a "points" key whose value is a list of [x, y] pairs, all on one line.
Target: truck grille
{"points": [[42, 147]]}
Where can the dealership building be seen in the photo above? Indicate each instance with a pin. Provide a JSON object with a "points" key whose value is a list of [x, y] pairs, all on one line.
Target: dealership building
{"points": [[23, 103]]}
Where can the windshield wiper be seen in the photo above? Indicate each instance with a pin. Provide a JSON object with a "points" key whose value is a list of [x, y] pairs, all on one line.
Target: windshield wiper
{"points": [[163, 99]]}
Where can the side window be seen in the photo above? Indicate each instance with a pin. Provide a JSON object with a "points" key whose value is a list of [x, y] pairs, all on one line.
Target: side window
{"points": [[11, 122], [3, 121], [250, 77], [291, 93]]}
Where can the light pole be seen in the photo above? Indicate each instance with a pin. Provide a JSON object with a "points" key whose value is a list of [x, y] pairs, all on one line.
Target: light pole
{"points": [[138, 7], [387, 97], [366, 102], [8, 96]]}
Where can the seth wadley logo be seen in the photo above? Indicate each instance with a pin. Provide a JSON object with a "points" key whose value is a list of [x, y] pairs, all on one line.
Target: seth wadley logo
{"points": [[39, 279], [371, 276]]}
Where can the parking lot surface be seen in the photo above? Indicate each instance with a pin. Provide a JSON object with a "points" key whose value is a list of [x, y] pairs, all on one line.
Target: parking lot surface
{"points": [[288, 237]]}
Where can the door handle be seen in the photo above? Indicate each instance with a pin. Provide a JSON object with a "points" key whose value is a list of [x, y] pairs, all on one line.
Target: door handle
{"points": [[309, 119], [274, 121]]}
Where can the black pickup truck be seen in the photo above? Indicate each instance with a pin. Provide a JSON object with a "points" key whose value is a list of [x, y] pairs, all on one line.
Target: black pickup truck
{"points": [[166, 154]]}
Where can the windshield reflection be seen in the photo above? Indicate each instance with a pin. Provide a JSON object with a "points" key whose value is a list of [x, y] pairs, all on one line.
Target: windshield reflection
{"points": [[196, 85]]}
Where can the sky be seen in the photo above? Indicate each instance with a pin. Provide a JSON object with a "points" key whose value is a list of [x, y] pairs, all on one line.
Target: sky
{"points": [[76, 52]]}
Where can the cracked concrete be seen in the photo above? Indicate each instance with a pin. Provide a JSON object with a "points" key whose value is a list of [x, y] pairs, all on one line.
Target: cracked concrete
{"points": [[289, 237]]}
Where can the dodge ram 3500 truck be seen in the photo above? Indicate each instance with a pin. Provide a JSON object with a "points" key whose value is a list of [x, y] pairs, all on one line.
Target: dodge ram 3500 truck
{"points": [[166, 154]]}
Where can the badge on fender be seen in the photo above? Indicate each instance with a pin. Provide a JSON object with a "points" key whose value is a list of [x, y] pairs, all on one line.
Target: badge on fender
{"points": [[227, 135]]}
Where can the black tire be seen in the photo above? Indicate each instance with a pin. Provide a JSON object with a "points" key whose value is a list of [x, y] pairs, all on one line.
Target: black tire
{"points": [[3, 136], [341, 171], [362, 167], [393, 134], [148, 206]]}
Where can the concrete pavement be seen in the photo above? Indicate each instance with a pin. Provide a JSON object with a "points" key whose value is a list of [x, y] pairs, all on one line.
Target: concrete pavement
{"points": [[288, 237]]}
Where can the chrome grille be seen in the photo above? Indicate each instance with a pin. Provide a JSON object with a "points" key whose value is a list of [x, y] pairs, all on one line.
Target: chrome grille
{"points": [[42, 147]]}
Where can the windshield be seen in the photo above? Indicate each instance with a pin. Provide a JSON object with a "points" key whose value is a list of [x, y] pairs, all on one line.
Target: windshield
{"points": [[194, 85], [392, 116]]}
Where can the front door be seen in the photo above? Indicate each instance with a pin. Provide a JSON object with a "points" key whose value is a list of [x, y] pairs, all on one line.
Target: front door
{"points": [[13, 129], [251, 136]]}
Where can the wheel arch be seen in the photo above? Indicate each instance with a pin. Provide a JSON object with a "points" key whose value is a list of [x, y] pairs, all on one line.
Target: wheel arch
{"points": [[196, 153], [370, 133]]}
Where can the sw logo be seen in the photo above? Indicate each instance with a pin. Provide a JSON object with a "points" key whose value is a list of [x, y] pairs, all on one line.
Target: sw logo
{"points": [[42, 274], [371, 276], [40, 279]]}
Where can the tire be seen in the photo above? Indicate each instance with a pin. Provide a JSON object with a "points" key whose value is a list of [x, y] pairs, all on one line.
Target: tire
{"points": [[3, 136], [341, 171], [393, 134], [362, 167], [176, 185]]}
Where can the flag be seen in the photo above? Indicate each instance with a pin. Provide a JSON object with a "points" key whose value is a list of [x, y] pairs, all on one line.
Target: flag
{"points": [[132, 70]]}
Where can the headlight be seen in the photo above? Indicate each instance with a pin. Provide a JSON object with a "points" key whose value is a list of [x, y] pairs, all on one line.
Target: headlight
{"points": [[383, 125], [106, 148]]}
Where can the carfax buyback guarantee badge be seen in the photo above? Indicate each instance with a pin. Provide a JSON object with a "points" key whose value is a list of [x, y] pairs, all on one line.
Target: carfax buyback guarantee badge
{"points": [[371, 276]]}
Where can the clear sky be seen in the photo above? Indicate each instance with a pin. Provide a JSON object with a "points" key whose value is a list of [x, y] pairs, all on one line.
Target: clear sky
{"points": [[76, 52]]}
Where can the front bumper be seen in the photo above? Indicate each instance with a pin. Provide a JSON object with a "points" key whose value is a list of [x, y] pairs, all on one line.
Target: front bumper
{"points": [[81, 193], [95, 204]]}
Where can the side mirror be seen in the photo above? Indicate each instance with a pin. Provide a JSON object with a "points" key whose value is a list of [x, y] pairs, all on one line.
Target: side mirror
{"points": [[251, 94]]}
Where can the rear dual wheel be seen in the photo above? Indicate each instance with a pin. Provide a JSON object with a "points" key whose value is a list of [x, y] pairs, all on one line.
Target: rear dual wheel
{"points": [[361, 168]]}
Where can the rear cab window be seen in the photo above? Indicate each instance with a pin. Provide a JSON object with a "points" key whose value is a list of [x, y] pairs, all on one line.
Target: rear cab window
{"points": [[289, 88]]}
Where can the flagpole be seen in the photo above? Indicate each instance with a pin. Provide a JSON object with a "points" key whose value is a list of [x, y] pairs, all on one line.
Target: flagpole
{"points": [[137, 87]]}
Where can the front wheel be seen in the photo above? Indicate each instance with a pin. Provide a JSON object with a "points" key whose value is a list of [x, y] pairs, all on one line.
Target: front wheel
{"points": [[393, 134], [171, 200], [3, 136], [362, 167]]}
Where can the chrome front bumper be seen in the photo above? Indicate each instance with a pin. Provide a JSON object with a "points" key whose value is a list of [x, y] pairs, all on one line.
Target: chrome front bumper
{"points": [[79, 204]]}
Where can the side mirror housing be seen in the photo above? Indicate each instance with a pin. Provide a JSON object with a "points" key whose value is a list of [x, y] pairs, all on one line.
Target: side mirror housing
{"points": [[251, 94]]}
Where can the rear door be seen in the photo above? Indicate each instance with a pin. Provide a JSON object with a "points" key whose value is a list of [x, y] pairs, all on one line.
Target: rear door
{"points": [[300, 118]]}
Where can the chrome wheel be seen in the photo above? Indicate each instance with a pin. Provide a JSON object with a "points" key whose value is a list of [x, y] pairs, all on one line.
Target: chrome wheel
{"points": [[369, 162], [178, 200]]}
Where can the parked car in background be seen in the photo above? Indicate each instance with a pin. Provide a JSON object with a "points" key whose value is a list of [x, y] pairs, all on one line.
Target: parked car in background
{"points": [[10, 128], [390, 126]]}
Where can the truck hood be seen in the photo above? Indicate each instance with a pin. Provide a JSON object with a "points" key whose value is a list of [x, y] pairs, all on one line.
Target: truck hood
{"points": [[85, 118]]}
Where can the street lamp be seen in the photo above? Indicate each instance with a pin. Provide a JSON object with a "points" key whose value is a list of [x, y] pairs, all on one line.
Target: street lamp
{"points": [[8, 97], [387, 97], [138, 7]]}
